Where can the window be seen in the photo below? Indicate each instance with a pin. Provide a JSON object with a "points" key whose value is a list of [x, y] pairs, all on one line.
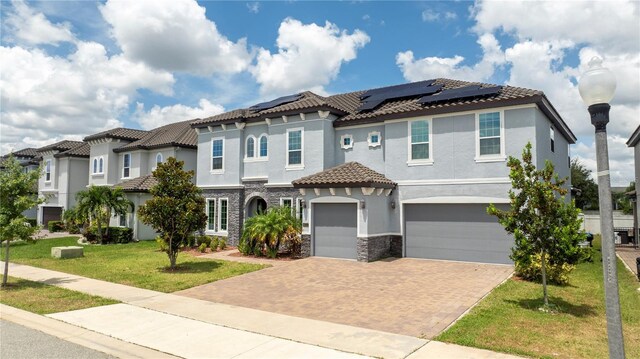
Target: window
{"points": [[346, 141], [223, 214], [101, 165], [217, 154], [263, 146], [420, 141], [287, 202], [489, 134], [294, 148], [47, 171], [374, 139], [95, 165], [158, 159], [251, 147], [122, 220], [553, 137], [126, 165], [211, 214], [300, 209]]}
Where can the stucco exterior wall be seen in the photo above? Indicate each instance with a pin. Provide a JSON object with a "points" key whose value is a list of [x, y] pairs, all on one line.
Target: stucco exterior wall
{"points": [[560, 156], [112, 171], [78, 178]]}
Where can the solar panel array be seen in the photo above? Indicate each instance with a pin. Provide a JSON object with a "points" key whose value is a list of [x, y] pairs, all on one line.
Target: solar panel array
{"points": [[277, 102], [460, 93]]}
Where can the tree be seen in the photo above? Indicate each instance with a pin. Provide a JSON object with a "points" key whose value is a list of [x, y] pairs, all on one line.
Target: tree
{"points": [[581, 180], [18, 192], [176, 209], [622, 201], [269, 230], [92, 204], [539, 218], [117, 203]]}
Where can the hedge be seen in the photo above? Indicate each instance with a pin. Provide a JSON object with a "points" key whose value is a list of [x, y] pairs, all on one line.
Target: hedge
{"points": [[116, 235], [55, 226]]}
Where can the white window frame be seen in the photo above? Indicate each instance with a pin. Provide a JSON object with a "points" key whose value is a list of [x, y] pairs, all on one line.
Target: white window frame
{"points": [[219, 215], [101, 165], [342, 144], [290, 199], [97, 161], [300, 213], [126, 220], [246, 148], [260, 156], [420, 162], [215, 214], [490, 158], [123, 165], [552, 135], [94, 167], [47, 171], [218, 170], [375, 144], [300, 166]]}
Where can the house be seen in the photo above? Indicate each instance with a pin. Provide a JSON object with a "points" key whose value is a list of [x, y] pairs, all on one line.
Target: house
{"points": [[633, 142], [65, 165], [29, 159], [405, 170], [126, 157]]}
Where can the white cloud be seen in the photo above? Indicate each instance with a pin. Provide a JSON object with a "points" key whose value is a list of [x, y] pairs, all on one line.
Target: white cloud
{"points": [[433, 16], [451, 67], [159, 116], [33, 28], [175, 36], [254, 7], [308, 57]]}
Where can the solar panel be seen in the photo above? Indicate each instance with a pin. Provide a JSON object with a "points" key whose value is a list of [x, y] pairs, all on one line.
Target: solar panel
{"points": [[374, 98], [460, 93], [277, 102]]}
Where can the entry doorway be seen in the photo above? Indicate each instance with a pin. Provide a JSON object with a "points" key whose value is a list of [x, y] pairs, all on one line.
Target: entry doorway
{"points": [[257, 205]]}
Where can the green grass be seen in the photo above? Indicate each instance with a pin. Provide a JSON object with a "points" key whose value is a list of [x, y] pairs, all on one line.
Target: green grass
{"points": [[508, 319], [46, 299], [136, 264]]}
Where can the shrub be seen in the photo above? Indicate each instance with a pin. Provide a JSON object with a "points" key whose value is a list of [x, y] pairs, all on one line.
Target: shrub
{"points": [[267, 231], [532, 270], [32, 221], [73, 220], [191, 241], [55, 226], [161, 244], [206, 240], [203, 247], [222, 243], [214, 243], [120, 235]]}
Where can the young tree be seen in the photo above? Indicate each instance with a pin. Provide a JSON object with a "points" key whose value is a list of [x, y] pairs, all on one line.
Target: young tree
{"points": [[581, 180], [177, 207], [92, 203], [539, 218], [18, 192]]}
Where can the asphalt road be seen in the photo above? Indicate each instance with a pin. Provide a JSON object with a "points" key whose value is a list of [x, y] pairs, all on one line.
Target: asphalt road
{"points": [[18, 342]]}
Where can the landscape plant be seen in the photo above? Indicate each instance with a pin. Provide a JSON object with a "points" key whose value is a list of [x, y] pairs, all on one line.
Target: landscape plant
{"points": [[215, 242], [74, 221], [18, 193], [98, 203], [541, 220], [266, 232], [177, 208]]}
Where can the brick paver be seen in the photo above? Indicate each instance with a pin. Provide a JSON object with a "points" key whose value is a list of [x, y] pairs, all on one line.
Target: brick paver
{"points": [[629, 255], [405, 296]]}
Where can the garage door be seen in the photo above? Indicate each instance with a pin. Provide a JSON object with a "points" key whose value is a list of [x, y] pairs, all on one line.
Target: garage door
{"points": [[335, 230], [51, 214], [461, 232]]}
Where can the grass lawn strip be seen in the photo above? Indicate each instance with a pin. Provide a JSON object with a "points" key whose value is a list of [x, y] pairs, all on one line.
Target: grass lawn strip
{"points": [[508, 320], [139, 264], [46, 299]]}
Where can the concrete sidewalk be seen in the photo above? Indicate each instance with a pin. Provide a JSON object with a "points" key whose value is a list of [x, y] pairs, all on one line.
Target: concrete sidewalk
{"points": [[172, 316]]}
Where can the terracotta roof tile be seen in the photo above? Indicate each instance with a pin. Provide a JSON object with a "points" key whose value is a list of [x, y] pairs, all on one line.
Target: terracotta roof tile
{"points": [[120, 133], [350, 174], [64, 145], [25, 152], [138, 184], [179, 134], [82, 150]]}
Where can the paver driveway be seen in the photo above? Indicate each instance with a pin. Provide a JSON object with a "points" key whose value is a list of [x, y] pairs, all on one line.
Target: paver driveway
{"points": [[405, 296]]}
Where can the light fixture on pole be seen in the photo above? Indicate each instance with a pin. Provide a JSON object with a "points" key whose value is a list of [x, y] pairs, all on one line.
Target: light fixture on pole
{"points": [[597, 86]]}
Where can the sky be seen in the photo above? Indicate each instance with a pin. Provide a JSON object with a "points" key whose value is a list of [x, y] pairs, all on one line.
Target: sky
{"points": [[72, 68]]}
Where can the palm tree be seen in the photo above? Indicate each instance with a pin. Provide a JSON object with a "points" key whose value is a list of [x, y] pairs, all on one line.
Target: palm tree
{"points": [[117, 203], [92, 203], [269, 230]]}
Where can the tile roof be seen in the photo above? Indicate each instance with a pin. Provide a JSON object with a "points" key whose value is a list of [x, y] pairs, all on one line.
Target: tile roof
{"points": [[138, 184], [179, 134], [25, 152], [350, 174], [635, 137], [82, 150], [120, 133], [64, 145]]}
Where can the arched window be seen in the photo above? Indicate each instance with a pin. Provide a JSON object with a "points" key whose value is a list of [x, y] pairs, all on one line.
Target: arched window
{"points": [[251, 147], [263, 146], [158, 159], [95, 165], [101, 165]]}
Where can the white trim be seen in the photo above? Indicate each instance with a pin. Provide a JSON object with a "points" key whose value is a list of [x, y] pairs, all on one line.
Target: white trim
{"points": [[295, 123], [323, 114], [295, 166], [255, 178], [332, 191], [240, 125], [300, 212], [285, 184], [246, 148], [218, 170], [367, 191], [456, 200], [219, 214], [267, 120], [316, 191], [457, 181], [258, 149], [215, 214], [161, 159], [123, 167], [325, 200], [342, 138], [420, 162], [302, 118], [452, 114], [347, 190], [285, 119], [48, 163], [223, 126], [222, 186], [303, 191], [381, 234], [292, 206], [374, 144], [494, 157], [210, 128]]}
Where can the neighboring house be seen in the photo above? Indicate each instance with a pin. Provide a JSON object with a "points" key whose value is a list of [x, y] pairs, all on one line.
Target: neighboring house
{"points": [[126, 157], [29, 159], [65, 165], [633, 142], [406, 170]]}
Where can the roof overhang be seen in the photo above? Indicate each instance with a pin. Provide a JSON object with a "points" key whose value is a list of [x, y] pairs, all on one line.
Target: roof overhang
{"points": [[635, 137], [344, 185]]}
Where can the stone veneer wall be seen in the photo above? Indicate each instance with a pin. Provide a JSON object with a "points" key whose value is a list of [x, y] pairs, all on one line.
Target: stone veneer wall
{"points": [[371, 249], [305, 247], [235, 196]]}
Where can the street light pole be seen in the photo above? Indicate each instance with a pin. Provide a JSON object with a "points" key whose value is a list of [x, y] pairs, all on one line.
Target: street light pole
{"points": [[597, 86]]}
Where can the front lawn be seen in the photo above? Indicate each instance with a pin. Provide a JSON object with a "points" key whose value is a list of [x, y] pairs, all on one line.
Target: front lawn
{"points": [[137, 264], [46, 299], [508, 319]]}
